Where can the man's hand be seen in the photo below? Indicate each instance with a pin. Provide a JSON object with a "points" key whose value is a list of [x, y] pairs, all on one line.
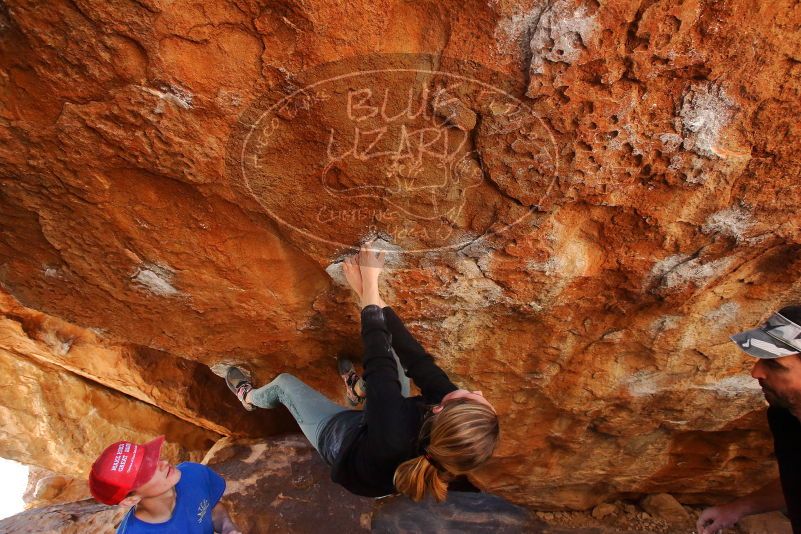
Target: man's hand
{"points": [[712, 520], [222, 521], [765, 499], [229, 528]]}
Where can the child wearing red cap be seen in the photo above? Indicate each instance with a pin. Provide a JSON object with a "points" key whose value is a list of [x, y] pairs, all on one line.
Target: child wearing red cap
{"points": [[182, 499]]}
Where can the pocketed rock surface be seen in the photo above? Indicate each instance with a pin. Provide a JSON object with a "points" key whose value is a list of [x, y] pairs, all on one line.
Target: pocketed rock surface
{"points": [[583, 200]]}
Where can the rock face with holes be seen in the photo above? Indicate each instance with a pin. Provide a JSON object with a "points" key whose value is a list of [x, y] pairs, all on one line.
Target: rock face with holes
{"points": [[582, 200]]}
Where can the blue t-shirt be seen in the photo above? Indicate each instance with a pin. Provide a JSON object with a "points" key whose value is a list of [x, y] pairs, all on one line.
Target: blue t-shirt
{"points": [[196, 494]]}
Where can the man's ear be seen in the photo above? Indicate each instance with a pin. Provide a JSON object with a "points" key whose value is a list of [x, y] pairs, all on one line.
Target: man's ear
{"points": [[436, 409], [130, 500]]}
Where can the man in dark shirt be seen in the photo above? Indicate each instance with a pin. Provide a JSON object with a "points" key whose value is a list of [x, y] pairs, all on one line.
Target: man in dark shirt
{"points": [[777, 345]]}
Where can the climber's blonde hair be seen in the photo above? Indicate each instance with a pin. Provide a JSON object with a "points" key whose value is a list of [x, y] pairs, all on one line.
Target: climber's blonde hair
{"points": [[462, 437]]}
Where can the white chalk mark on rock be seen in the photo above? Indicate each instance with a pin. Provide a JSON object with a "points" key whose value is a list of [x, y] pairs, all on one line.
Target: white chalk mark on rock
{"points": [[99, 332], [732, 386], [723, 315], [170, 93], [647, 383], [59, 345], [678, 270], [156, 279], [392, 259], [664, 323], [562, 33], [336, 273], [516, 31], [705, 112], [670, 142], [52, 272], [551, 267], [733, 222], [644, 383]]}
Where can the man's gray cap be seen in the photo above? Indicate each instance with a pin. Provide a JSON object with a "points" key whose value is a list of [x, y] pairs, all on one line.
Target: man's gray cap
{"points": [[779, 336]]}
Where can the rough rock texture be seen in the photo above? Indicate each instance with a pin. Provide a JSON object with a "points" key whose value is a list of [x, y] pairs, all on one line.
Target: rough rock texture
{"points": [[576, 237], [62, 422], [664, 506], [462, 512], [59, 413], [46, 488], [184, 388], [68, 518], [770, 523], [282, 485], [603, 510]]}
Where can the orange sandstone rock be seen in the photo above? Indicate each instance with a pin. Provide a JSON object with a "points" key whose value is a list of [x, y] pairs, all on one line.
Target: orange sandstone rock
{"points": [[584, 199]]}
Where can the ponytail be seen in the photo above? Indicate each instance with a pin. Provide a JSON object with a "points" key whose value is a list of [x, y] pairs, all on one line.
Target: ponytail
{"points": [[417, 477], [455, 441]]}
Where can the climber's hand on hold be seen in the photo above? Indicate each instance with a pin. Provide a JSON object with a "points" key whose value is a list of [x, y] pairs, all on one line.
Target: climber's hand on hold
{"points": [[353, 274], [371, 262]]}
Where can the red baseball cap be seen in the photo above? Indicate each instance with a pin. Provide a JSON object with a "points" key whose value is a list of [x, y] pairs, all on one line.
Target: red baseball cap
{"points": [[123, 467]]}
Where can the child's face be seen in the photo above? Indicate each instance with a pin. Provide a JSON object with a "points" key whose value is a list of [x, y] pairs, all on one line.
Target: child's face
{"points": [[165, 477]]}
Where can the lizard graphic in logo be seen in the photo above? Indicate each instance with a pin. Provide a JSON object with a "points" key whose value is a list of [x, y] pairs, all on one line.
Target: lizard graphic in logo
{"points": [[202, 509]]}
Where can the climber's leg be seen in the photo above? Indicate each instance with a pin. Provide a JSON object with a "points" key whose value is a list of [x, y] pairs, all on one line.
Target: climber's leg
{"points": [[310, 408], [354, 385]]}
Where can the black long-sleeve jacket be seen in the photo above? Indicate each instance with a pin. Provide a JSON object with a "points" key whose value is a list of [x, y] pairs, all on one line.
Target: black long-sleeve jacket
{"points": [[365, 447]]}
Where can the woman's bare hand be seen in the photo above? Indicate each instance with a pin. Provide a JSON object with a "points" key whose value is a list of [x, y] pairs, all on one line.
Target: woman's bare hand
{"points": [[371, 262], [353, 274]]}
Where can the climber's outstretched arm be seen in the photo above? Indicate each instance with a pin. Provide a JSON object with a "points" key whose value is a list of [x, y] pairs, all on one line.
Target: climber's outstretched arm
{"points": [[353, 274], [417, 362], [371, 263]]}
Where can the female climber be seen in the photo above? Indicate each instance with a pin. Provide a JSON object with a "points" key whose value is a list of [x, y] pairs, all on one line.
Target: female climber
{"points": [[412, 445]]}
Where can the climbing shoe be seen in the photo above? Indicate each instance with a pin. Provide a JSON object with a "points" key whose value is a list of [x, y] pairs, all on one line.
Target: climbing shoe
{"points": [[239, 383], [353, 382]]}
